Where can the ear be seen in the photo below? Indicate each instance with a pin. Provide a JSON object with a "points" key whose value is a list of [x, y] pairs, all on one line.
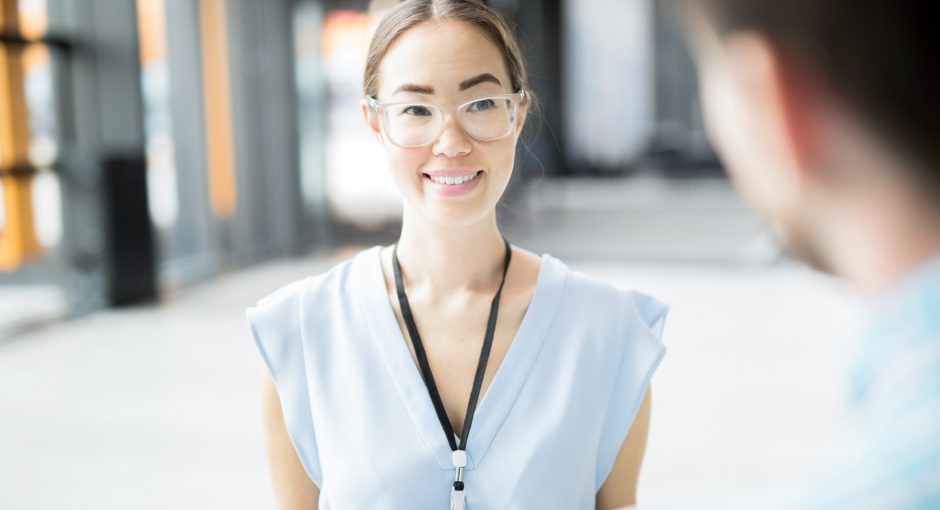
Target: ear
{"points": [[521, 116], [784, 99], [371, 119]]}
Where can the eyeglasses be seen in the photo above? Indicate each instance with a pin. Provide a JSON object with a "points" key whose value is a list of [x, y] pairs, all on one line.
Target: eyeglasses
{"points": [[413, 124]]}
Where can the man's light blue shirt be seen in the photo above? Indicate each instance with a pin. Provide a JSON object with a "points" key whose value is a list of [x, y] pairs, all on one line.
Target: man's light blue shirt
{"points": [[892, 459]]}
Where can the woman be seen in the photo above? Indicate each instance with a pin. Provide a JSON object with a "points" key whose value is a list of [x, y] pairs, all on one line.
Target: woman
{"points": [[453, 368]]}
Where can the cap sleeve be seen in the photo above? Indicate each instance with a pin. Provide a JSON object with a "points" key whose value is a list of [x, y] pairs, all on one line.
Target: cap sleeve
{"points": [[275, 324], [641, 331]]}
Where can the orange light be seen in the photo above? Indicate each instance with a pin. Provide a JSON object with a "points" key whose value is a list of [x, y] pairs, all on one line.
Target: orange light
{"points": [[218, 109], [18, 237], [151, 24]]}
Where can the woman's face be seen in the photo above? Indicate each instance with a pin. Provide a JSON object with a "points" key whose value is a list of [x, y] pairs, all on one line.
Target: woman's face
{"points": [[449, 63]]}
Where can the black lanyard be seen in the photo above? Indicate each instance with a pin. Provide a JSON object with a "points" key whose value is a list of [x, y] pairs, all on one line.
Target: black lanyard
{"points": [[426, 369]]}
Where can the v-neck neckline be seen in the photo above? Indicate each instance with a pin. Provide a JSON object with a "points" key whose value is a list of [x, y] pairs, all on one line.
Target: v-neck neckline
{"points": [[496, 402]]}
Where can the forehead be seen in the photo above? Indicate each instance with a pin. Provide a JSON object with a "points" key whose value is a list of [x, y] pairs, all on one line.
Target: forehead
{"points": [[440, 54]]}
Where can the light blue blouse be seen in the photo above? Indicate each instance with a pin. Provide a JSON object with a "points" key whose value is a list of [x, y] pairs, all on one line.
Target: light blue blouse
{"points": [[545, 433]]}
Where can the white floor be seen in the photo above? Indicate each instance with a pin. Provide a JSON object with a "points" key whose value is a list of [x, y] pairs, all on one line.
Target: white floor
{"points": [[156, 408]]}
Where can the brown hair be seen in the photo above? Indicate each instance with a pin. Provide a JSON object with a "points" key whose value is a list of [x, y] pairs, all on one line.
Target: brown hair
{"points": [[879, 56], [410, 13]]}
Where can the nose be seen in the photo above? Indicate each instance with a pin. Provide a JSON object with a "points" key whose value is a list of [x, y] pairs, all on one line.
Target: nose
{"points": [[453, 141]]}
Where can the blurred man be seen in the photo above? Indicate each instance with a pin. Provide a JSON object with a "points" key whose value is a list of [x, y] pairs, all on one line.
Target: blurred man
{"points": [[827, 115]]}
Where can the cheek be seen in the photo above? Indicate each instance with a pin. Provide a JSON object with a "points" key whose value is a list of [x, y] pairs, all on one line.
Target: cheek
{"points": [[722, 119], [405, 164], [502, 155], [732, 132]]}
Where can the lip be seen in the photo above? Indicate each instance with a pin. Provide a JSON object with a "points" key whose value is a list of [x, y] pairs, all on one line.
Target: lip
{"points": [[453, 190]]}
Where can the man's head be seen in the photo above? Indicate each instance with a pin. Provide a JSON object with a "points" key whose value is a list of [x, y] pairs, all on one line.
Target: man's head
{"points": [[825, 112]]}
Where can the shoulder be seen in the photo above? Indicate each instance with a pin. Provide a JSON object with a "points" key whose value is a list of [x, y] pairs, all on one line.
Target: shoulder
{"points": [[280, 321], [593, 293], [610, 309], [321, 288]]}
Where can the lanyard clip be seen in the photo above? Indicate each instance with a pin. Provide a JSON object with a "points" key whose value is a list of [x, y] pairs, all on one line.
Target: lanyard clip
{"points": [[457, 494], [458, 497]]}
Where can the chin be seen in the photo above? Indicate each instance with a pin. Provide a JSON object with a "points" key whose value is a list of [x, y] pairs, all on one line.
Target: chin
{"points": [[455, 215]]}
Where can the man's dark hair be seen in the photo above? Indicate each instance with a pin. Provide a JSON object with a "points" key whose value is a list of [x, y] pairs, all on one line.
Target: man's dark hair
{"points": [[878, 56]]}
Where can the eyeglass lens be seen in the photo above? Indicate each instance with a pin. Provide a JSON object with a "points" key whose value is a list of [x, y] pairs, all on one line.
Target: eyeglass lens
{"points": [[417, 124]]}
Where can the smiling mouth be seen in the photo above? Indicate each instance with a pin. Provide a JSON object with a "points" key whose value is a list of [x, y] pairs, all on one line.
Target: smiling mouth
{"points": [[455, 180]]}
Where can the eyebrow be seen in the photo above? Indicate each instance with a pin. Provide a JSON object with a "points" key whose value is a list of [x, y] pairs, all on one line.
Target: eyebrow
{"points": [[410, 87], [478, 79], [464, 85]]}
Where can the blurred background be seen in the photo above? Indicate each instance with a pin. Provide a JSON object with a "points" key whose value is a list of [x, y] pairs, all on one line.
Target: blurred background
{"points": [[165, 163]]}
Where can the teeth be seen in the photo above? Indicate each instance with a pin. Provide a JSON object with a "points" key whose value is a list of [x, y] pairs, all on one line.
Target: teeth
{"points": [[454, 180]]}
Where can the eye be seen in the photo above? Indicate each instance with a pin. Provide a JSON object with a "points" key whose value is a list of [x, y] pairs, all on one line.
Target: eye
{"points": [[416, 111], [481, 105]]}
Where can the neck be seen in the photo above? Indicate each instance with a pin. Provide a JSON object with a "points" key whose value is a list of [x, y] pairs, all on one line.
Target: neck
{"points": [[883, 244], [438, 262], [880, 224]]}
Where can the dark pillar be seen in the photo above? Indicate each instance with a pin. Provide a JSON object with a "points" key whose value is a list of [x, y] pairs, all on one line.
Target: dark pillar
{"points": [[107, 234]]}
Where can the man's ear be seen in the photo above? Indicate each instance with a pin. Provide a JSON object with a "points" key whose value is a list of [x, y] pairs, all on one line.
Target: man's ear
{"points": [[371, 119], [784, 98]]}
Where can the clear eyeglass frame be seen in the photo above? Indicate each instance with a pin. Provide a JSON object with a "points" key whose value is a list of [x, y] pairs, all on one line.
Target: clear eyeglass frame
{"points": [[382, 109]]}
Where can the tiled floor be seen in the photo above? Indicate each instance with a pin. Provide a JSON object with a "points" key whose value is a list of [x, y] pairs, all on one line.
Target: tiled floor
{"points": [[156, 408]]}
